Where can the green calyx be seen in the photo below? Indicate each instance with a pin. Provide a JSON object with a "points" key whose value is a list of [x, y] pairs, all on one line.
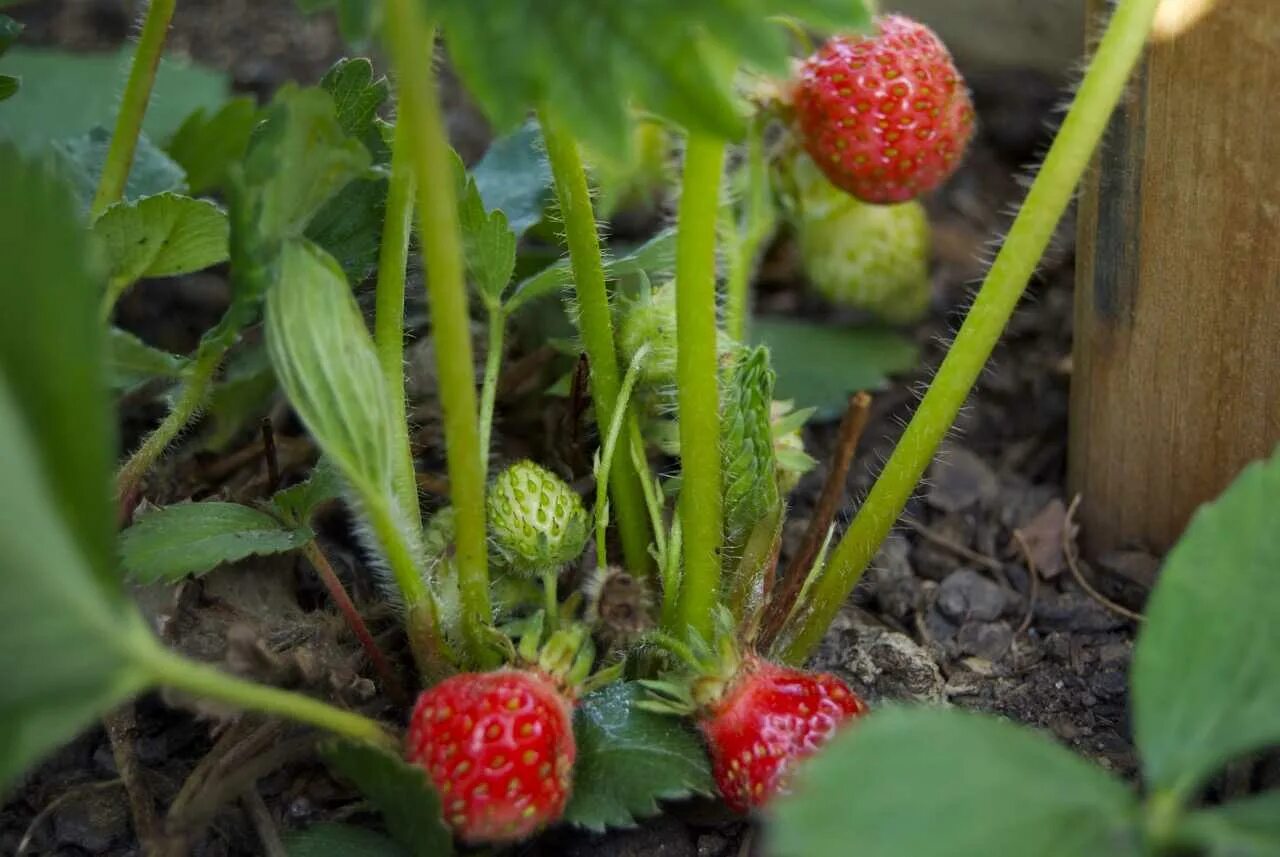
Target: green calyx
{"points": [[786, 424], [651, 320], [537, 522], [565, 656], [867, 257], [708, 670]]}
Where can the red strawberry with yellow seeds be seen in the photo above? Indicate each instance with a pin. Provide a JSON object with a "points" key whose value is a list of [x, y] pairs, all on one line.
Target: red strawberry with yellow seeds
{"points": [[885, 117], [499, 749]]}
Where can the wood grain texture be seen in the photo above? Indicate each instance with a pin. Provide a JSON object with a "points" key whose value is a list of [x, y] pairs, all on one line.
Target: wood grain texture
{"points": [[1177, 332]]}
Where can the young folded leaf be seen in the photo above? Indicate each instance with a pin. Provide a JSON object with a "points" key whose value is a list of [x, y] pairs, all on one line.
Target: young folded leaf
{"points": [[746, 430]]}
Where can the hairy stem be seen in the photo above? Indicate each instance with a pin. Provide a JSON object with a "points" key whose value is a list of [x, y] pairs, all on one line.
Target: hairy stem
{"points": [[388, 328], [133, 106], [697, 370], [411, 40], [188, 403], [610, 446], [489, 389], [341, 600], [749, 235], [1048, 198], [179, 673], [596, 325]]}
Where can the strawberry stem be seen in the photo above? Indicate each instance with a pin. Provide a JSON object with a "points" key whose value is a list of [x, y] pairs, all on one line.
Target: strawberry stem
{"points": [[410, 40], [133, 107], [596, 325], [1069, 157], [388, 328], [489, 388], [697, 368], [747, 235]]}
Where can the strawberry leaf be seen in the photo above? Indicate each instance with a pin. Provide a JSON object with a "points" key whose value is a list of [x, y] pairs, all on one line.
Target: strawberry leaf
{"points": [[1249, 827], [513, 177], [1206, 669], [409, 805], [192, 538], [587, 61], [207, 144], [132, 362], [82, 158], [161, 236], [630, 758], [990, 788]]}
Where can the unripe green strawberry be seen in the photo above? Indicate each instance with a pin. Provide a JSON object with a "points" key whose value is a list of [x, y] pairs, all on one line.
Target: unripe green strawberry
{"points": [[652, 320], [537, 522], [868, 257]]}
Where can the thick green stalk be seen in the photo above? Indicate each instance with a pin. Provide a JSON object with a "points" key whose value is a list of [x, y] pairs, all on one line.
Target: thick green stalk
{"points": [[489, 389], [1081, 131], [388, 328], [697, 382], [174, 671], [411, 41], [133, 106], [597, 335], [195, 387]]}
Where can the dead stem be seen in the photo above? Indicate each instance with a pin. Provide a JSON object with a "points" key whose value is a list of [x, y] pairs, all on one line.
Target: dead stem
{"points": [[263, 823], [25, 843], [122, 731], [782, 604], [991, 564], [1069, 551], [1033, 581]]}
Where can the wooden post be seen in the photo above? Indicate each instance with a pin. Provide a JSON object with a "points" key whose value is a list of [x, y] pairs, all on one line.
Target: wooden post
{"points": [[1176, 382]]}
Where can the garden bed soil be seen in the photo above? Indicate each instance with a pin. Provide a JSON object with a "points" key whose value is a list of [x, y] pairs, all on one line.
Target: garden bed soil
{"points": [[950, 613]]}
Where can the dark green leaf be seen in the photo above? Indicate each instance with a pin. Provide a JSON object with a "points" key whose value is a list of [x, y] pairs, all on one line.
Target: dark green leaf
{"points": [[192, 538], [81, 160], [349, 226], [246, 391], [208, 143], [161, 236], [1244, 828], [324, 358], [588, 61], [820, 367], [52, 352], [64, 93], [946, 783], [64, 623], [340, 840], [409, 806], [8, 86], [1206, 670], [299, 502], [514, 177], [358, 96], [132, 362], [629, 759]]}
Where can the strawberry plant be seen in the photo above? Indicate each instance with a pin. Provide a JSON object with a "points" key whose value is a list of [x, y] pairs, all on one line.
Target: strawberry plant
{"points": [[521, 719]]}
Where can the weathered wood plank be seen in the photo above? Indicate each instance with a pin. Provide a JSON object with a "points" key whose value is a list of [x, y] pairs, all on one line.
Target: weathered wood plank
{"points": [[1177, 333]]}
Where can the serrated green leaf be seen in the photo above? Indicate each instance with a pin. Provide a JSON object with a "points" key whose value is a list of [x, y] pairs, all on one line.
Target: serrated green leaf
{"points": [[1243, 828], [132, 362], [81, 160], [325, 361], [630, 758], [489, 245], [820, 366], [64, 623], [358, 96], [8, 86], [349, 226], [514, 177], [65, 92], [400, 791], [52, 352], [168, 543], [1206, 669], [208, 143], [989, 787], [588, 61], [340, 840], [161, 236], [299, 502]]}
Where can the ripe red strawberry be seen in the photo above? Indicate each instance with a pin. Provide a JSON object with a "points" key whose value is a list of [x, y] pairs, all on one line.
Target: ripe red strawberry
{"points": [[768, 718], [885, 117], [499, 749]]}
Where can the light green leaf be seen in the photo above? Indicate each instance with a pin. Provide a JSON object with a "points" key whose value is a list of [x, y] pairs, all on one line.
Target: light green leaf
{"points": [[161, 236], [1244, 828], [514, 177], [985, 786], [409, 805], [820, 367], [64, 622], [64, 93], [629, 759], [208, 143], [132, 362], [324, 358], [52, 353], [656, 258], [340, 840], [589, 61], [192, 538], [1206, 670], [488, 242], [82, 158]]}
